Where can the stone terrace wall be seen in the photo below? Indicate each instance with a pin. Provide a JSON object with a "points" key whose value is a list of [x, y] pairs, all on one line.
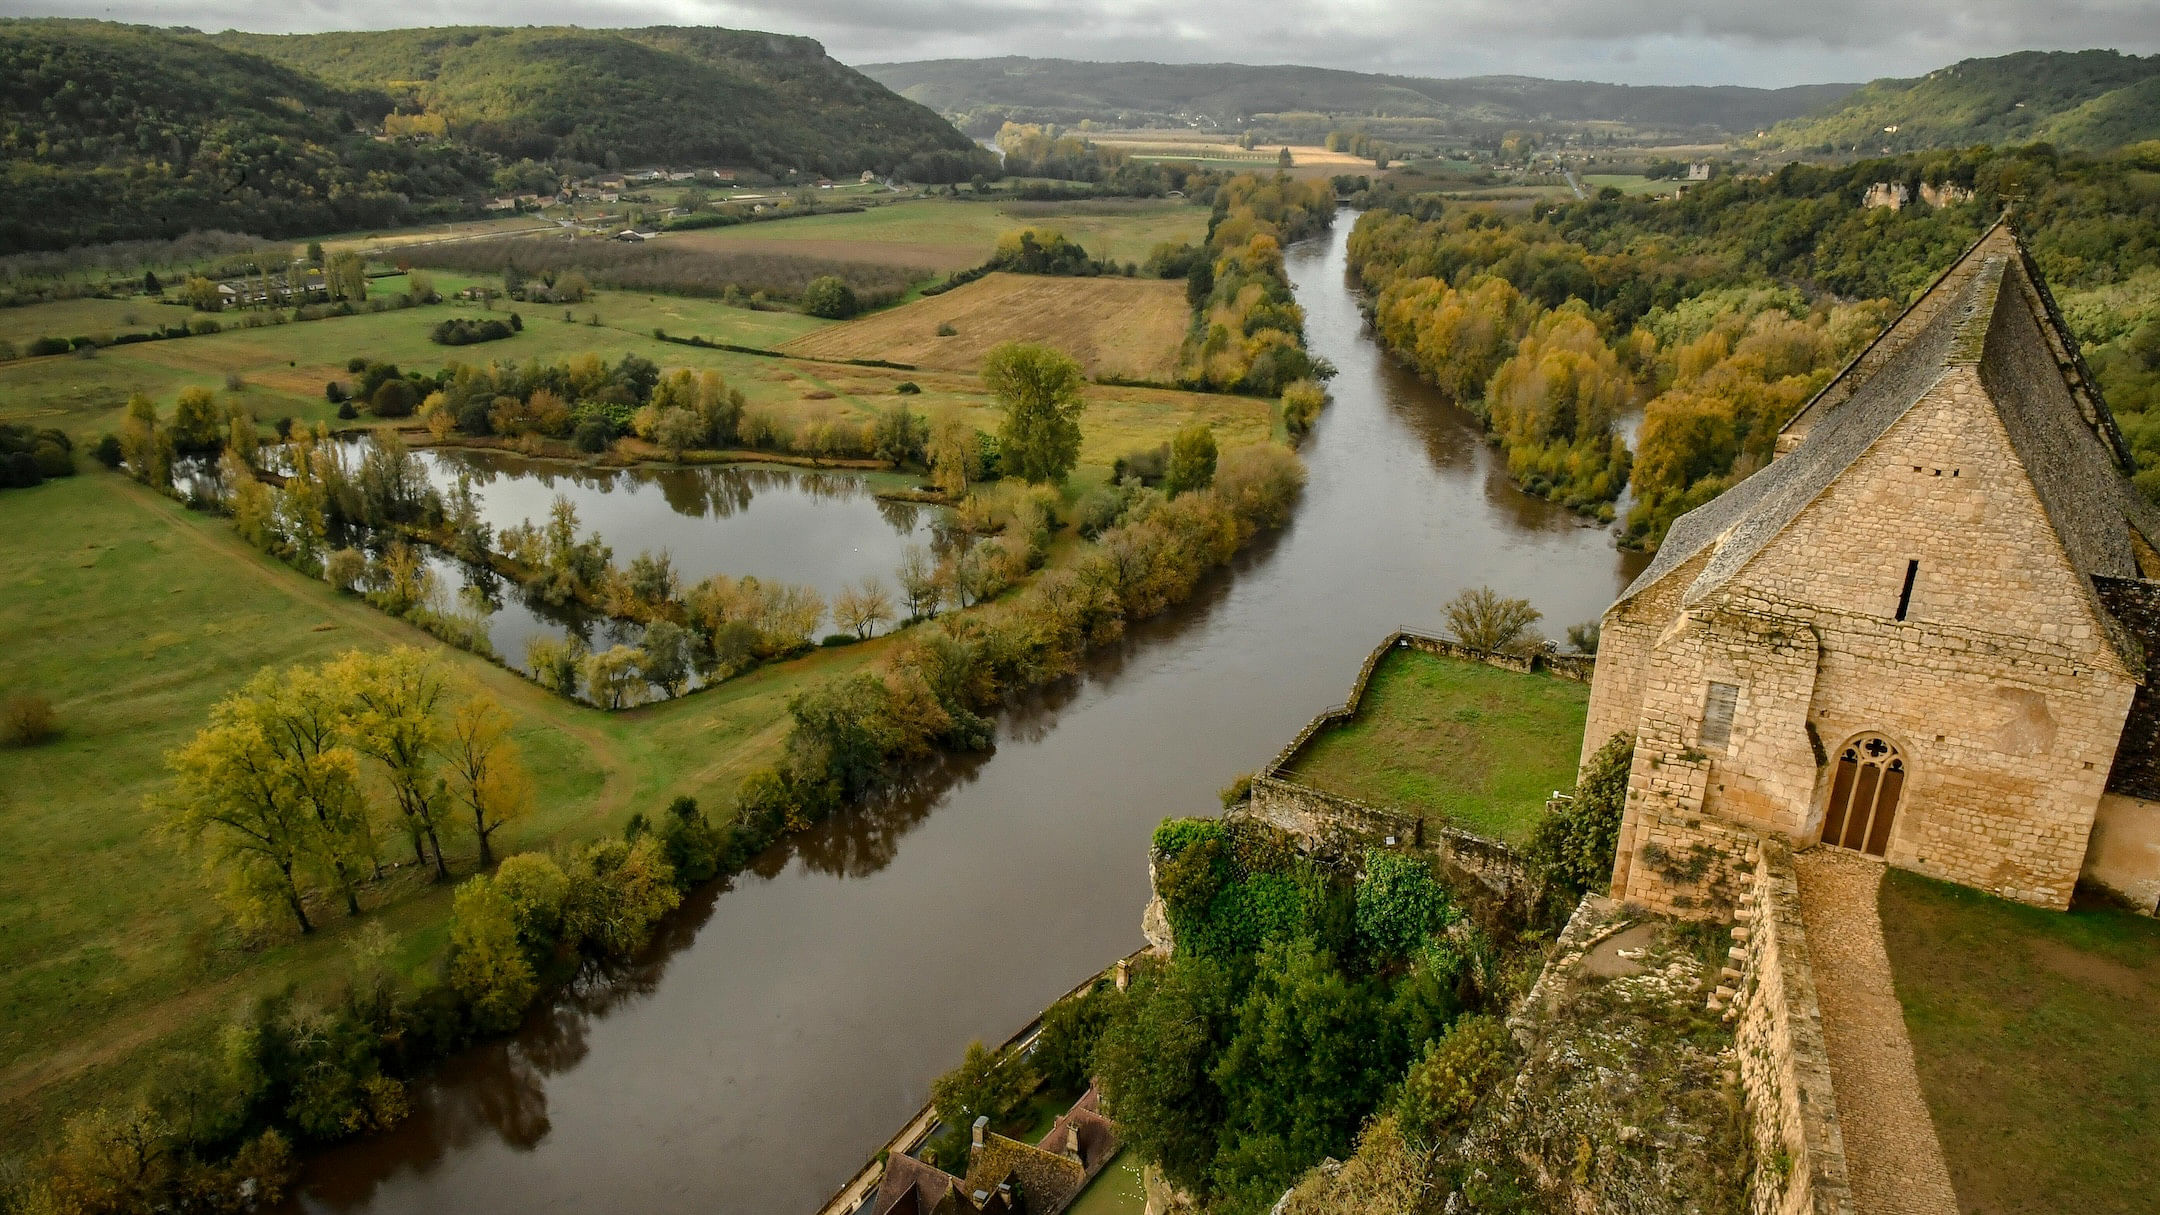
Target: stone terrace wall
{"points": [[1340, 828], [1784, 1066]]}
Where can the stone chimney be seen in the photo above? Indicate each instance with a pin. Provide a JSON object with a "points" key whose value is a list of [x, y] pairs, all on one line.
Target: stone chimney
{"points": [[1072, 1140], [982, 1124], [1124, 974]]}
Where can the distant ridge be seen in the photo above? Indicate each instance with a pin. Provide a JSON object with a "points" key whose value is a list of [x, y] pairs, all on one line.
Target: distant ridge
{"points": [[978, 93], [2091, 100]]}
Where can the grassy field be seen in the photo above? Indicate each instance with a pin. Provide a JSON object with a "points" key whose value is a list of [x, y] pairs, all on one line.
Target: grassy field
{"points": [[134, 616], [1628, 183], [2038, 1039], [283, 368], [1479, 746], [1126, 327], [943, 235]]}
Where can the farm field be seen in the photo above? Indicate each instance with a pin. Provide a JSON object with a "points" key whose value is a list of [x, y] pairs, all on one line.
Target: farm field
{"points": [[943, 235], [1125, 327], [1475, 745], [282, 368], [1628, 183], [1307, 160], [134, 616]]}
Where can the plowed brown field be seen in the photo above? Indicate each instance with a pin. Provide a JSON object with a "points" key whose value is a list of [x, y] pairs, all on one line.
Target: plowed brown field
{"points": [[1124, 327]]}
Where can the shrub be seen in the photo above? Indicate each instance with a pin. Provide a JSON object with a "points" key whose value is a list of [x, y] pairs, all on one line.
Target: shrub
{"points": [[1399, 904], [945, 329], [908, 388], [108, 451], [344, 568], [346, 412], [1574, 844], [394, 399], [27, 719], [460, 331], [50, 345], [591, 435], [1457, 1071], [830, 296]]}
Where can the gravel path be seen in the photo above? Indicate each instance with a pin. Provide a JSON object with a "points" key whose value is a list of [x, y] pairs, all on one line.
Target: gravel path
{"points": [[1895, 1161]]}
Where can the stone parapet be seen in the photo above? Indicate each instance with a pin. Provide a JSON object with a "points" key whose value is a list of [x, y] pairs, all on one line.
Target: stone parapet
{"points": [[1784, 1065], [1334, 827]]}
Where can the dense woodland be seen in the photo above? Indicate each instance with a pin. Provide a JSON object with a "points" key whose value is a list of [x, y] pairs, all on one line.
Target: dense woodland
{"points": [[114, 132], [1721, 312]]}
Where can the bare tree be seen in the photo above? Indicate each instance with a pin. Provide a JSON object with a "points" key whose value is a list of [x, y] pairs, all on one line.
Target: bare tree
{"points": [[1482, 620]]}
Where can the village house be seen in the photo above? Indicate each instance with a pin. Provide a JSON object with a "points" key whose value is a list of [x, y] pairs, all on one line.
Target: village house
{"points": [[1926, 631], [1005, 1176]]}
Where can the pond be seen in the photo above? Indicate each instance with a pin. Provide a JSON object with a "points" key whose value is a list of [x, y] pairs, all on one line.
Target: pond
{"points": [[784, 1026]]}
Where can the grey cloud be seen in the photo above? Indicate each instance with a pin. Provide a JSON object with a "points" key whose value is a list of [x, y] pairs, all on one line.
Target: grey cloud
{"points": [[1766, 42]]}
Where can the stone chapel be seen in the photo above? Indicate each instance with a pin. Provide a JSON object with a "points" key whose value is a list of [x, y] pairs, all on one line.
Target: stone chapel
{"points": [[1928, 630]]}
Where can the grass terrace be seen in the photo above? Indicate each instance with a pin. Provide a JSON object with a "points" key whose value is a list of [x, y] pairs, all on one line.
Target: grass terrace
{"points": [[1479, 747], [2038, 1039]]}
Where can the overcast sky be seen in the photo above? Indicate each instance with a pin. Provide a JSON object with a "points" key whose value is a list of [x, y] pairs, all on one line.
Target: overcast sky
{"points": [[1759, 42]]}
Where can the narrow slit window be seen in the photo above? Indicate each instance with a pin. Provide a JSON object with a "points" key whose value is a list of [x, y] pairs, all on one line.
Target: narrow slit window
{"points": [[1717, 715], [1904, 599]]}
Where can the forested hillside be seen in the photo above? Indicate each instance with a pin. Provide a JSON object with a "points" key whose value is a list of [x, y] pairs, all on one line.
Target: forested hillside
{"points": [[2093, 100], [1719, 313], [112, 132], [981, 94], [676, 96], [116, 132]]}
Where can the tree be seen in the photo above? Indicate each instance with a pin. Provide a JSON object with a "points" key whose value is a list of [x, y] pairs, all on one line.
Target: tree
{"points": [[1154, 1065], [1482, 620], [487, 780], [272, 791], [144, 444], [1282, 158], [861, 609], [1039, 390], [394, 705], [346, 277], [202, 295], [919, 581], [315, 252], [488, 968], [985, 1084], [1444, 1087], [829, 296], [678, 430], [952, 454], [1192, 460], [613, 678], [665, 655], [196, 425]]}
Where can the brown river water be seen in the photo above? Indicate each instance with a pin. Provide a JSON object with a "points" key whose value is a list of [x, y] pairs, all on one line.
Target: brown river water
{"points": [[787, 1023]]}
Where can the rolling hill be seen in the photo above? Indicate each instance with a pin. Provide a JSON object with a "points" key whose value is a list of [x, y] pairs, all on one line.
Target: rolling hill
{"points": [[665, 94], [2091, 100], [117, 132], [980, 93]]}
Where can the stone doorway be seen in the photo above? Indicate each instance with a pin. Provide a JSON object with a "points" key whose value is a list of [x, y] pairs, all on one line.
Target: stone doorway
{"points": [[1865, 792]]}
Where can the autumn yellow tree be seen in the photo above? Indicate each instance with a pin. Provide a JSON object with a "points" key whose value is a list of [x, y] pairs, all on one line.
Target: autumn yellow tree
{"points": [[486, 778], [394, 713]]}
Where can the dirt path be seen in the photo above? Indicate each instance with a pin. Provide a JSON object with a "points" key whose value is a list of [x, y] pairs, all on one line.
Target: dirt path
{"points": [[1895, 1160]]}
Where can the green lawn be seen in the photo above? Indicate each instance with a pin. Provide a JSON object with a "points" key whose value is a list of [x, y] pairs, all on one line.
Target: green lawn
{"points": [[134, 616], [2038, 1039], [1477, 746], [1117, 1190], [1629, 183]]}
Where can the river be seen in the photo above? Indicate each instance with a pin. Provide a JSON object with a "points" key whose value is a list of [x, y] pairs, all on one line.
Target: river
{"points": [[786, 1025]]}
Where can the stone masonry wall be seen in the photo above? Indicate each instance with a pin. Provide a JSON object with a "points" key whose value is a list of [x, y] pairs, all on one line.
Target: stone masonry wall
{"points": [[1784, 1064], [2000, 688], [1341, 828]]}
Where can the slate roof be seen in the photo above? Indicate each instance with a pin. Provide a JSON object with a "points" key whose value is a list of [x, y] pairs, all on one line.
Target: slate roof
{"points": [[1995, 317]]}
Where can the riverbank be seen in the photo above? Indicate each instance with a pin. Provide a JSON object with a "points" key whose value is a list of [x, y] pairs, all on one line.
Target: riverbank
{"points": [[817, 1011]]}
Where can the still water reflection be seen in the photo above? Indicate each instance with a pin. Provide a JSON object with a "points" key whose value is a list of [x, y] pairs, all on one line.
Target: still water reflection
{"points": [[785, 1026]]}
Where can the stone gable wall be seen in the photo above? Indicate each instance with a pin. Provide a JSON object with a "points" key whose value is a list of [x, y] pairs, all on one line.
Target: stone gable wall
{"points": [[2001, 688]]}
